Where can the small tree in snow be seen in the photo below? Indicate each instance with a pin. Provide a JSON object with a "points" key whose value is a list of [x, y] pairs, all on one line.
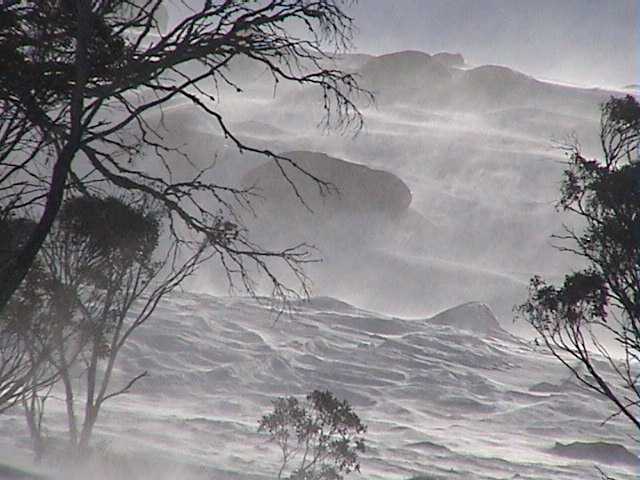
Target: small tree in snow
{"points": [[107, 275], [320, 438]]}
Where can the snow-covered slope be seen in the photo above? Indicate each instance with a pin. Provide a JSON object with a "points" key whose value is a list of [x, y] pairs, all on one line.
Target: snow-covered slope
{"points": [[474, 145], [449, 397], [464, 156]]}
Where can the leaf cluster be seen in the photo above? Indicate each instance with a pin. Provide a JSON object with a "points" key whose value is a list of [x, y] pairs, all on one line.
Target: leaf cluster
{"points": [[38, 41], [322, 435], [112, 228]]}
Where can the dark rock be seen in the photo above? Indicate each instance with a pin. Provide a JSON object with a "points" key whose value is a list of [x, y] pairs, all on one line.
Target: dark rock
{"points": [[360, 189], [597, 451]]}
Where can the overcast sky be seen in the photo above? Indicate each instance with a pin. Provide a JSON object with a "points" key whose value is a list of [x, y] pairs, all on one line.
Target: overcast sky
{"points": [[589, 42]]}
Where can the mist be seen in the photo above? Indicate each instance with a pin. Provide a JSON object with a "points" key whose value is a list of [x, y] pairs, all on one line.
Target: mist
{"points": [[424, 228], [588, 43], [470, 159]]}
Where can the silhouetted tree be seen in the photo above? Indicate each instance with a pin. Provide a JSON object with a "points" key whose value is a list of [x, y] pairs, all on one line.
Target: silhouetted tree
{"points": [[320, 438], [107, 276], [79, 76], [604, 296], [24, 323]]}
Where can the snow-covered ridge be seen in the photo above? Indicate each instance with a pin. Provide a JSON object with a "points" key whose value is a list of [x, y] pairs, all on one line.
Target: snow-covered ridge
{"points": [[448, 397], [473, 316], [461, 156]]}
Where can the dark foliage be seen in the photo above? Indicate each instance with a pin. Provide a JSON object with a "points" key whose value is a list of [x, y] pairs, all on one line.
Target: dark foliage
{"points": [[72, 315], [37, 45], [320, 439], [112, 227], [604, 297], [25, 323]]}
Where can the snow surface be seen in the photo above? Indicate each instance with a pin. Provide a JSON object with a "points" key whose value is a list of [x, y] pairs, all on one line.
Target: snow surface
{"points": [[447, 392], [449, 397]]}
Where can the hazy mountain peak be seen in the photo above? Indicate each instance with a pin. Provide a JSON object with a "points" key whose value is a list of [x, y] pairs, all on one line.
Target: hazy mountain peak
{"points": [[498, 73], [474, 316], [404, 55], [450, 59], [405, 61]]}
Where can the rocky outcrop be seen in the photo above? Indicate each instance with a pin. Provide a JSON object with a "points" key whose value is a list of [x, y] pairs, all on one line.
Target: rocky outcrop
{"points": [[610, 453], [359, 189], [473, 316], [450, 59], [404, 75]]}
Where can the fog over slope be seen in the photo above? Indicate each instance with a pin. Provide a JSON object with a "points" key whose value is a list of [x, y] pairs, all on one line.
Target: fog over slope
{"points": [[438, 212], [474, 149], [585, 42]]}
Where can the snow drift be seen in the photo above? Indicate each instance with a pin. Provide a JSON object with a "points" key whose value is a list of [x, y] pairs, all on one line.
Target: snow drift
{"points": [[440, 398]]}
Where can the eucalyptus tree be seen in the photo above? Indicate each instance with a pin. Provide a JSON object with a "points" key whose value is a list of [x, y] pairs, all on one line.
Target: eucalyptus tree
{"points": [[108, 271], [24, 324], [602, 298]]}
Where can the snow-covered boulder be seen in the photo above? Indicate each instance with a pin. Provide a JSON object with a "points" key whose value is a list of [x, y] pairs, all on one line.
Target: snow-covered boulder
{"points": [[604, 452], [472, 316]]}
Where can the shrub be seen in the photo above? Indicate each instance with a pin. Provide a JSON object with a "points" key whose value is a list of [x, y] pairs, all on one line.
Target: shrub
{"points": [[320, 438]]}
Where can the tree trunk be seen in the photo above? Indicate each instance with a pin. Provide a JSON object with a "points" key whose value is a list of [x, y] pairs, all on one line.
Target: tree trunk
{"points": [[32, 413], [91, 416], [12, 275], [91, 407]]}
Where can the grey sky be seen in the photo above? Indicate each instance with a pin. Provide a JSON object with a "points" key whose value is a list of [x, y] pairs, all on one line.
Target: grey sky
{"points": [[589, 42]]}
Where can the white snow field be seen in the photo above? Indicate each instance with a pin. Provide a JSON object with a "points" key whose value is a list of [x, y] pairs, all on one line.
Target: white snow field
{"points": [[447, 196], [448, 397]]}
